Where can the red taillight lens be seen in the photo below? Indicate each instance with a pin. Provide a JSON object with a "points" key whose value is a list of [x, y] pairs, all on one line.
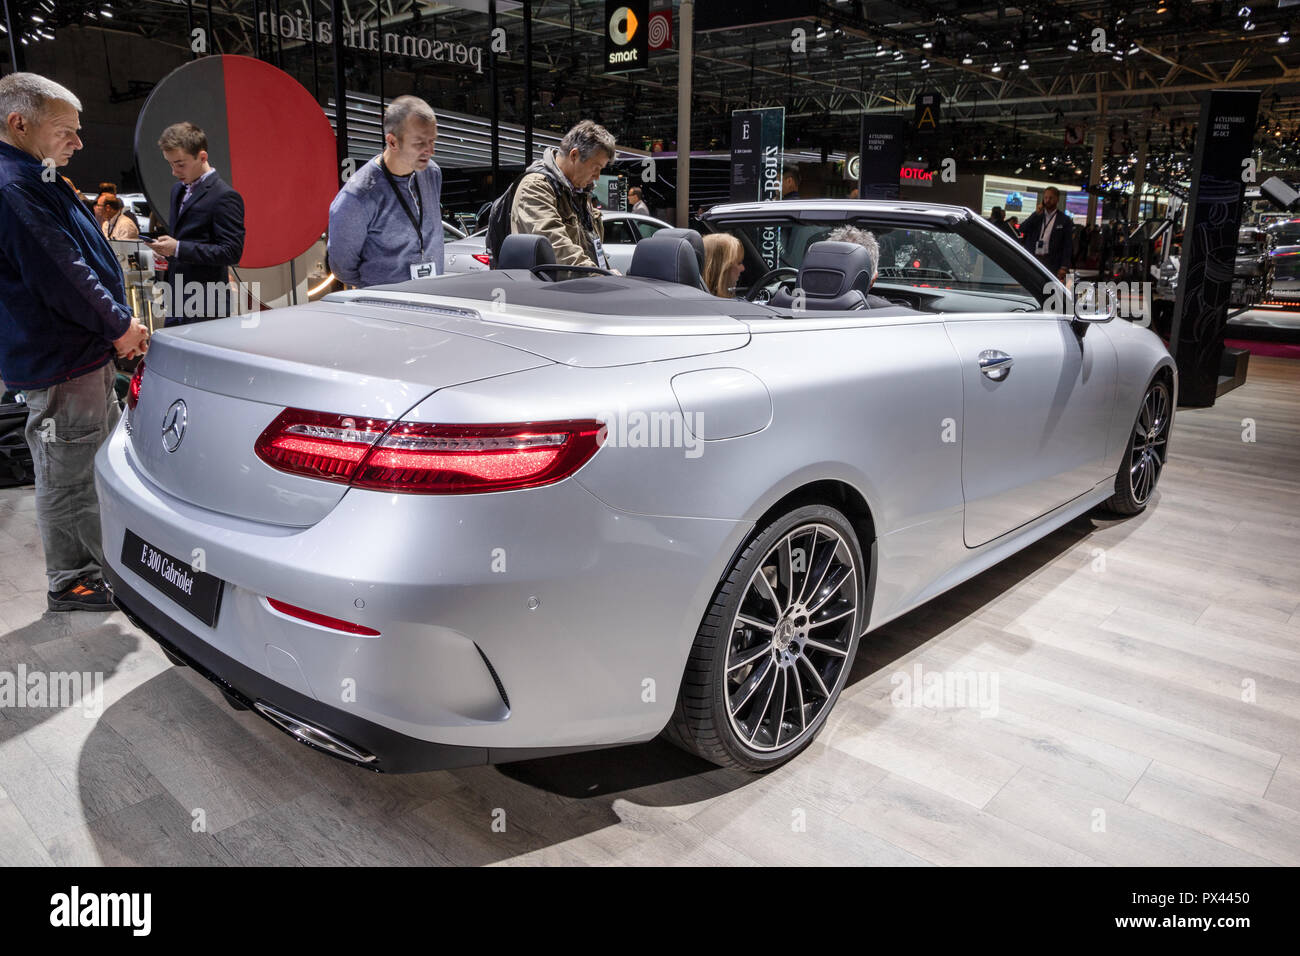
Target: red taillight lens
{"points": [[484, 258], [318, 445], [133, 390], [323, 620], [465, 459], [427, 459]]}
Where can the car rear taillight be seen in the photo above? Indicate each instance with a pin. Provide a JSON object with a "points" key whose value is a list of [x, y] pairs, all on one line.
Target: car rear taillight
{"points": [[133, 390], [484, 258], [318, 445], [427, 459]]}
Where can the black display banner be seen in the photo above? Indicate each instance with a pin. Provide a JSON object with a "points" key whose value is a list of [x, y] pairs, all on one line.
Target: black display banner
{"points": [[627, 35], [1223, 143], [881, 156], [757, 138], [724, 14]]}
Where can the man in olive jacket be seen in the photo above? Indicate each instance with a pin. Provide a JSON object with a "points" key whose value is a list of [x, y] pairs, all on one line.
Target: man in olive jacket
{"points": [[554, 199]]}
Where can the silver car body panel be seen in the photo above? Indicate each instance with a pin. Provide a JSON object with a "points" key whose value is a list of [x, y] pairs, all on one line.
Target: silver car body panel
{"points": [[584, 597]]}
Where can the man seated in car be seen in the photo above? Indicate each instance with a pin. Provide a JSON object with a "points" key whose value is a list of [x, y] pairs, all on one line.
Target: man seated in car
{"points": [[867, 241]]}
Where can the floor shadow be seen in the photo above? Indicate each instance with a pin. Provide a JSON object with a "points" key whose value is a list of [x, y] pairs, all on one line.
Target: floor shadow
{"points": [[171, 749]]}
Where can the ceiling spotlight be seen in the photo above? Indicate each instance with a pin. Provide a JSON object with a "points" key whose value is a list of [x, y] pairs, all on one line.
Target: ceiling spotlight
{"points": [[1244, 11], [1073, 46], [967, 60], [928, 44], [821, 32], [997, 67], [1132, 49], [36, 19], [105, 12], [1285, 37], [1024, 64], [1162, 7], [1249, 24], [925, 64]]}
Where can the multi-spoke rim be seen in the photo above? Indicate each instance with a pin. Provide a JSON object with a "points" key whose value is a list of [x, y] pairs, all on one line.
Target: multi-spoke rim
{"points": [[790, 639], [1150, 438]]}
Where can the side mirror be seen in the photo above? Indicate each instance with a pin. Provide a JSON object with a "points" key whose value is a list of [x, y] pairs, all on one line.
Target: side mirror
{"points": [[1095, 302]]}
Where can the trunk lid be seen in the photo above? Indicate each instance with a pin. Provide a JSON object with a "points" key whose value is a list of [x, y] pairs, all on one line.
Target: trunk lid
{"points": [[234, 376]]}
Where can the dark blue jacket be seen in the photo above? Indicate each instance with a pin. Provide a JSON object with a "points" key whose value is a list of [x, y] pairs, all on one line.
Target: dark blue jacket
{"points": [[62, 301]]}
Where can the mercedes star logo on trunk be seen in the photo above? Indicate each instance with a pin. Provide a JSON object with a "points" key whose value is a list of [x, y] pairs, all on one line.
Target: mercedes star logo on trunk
{"points": [[174, 425]]}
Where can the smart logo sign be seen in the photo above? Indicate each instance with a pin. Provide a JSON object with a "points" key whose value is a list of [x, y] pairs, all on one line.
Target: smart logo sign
{"points": [[627, 37]]}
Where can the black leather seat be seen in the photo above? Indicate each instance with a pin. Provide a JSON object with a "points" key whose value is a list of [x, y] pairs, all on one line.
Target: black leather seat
{"points": [[690, 235], [834, 277], [525, 252], [669, 259]]}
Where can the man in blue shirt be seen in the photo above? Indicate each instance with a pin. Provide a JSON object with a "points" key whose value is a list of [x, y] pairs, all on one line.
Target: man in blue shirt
{"points": [[63, 316], [386, 221]]}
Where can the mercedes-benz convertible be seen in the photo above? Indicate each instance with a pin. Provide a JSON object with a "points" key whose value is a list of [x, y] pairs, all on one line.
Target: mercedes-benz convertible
{"points": [[487, 517]]}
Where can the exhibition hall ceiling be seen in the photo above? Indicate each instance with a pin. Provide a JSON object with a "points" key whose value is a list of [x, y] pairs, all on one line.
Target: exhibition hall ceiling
{"points": [[1037, 81]]}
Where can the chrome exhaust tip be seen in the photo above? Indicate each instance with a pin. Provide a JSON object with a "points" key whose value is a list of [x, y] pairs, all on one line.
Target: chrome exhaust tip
{"points": [[313, 735]]}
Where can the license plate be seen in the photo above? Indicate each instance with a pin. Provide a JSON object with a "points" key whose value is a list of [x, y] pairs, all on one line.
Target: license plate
{"points": [[197, 592]]}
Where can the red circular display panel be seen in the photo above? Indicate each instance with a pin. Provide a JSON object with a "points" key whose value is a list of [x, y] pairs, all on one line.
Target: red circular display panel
{"points": [[267, 137]]}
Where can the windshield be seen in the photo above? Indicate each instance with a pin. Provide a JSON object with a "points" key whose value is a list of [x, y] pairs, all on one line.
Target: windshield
{"points": [[916, 256]]}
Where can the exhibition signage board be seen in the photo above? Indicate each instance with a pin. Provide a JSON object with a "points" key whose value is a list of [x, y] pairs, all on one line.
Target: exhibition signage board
{"points": [[881, 156], [365, 36], [726, 14], [627, 35], [659, 32], [1223, 144], [925, 118], [757, 139]]}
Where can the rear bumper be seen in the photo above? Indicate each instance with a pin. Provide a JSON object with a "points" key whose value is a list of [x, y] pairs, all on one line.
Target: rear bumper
{"points": [[390, 751]]}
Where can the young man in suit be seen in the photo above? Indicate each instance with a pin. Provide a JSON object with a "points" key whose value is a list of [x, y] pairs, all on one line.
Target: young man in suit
{"points": [[1049, 234], [207, 229]]}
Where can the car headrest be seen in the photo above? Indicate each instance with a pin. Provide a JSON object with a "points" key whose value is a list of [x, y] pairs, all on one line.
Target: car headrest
{"points": [[850, 301], [525, 252], [830, 269], [691, 236], [672, 260]]}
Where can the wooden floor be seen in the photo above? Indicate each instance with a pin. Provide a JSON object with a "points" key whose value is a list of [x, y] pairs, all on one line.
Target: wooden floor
{"points": [[1147, 712]]}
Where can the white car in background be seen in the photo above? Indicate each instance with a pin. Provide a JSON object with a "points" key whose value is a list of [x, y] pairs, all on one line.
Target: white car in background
{"points": [[623, 230]]}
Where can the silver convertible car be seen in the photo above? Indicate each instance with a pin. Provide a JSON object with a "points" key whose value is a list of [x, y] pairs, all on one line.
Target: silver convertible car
{"points": [[487, 517]]}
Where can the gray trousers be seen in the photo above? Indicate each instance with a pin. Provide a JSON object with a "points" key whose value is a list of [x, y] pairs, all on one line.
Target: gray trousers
{"points": [[66, 424]]}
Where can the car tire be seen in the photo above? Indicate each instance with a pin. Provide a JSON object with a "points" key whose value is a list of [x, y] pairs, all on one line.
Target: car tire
{"points": [[727, 710], [1145, 455]]}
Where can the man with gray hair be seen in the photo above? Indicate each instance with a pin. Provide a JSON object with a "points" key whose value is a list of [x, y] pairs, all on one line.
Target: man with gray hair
{"points": [[867, 241], [553, 199], [63, 317], [386, 222]]}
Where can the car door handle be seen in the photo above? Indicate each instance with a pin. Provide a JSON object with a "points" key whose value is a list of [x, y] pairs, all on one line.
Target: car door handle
{"points": [[996, 365]]}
